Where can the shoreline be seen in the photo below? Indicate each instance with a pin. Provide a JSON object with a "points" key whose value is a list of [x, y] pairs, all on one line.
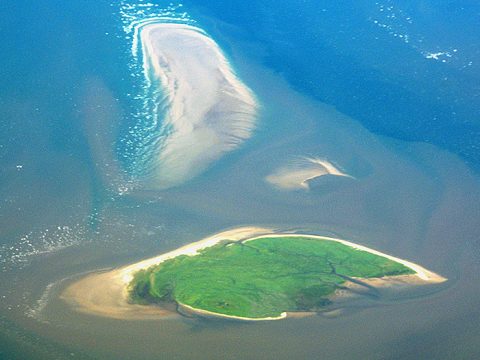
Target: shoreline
{"points": [[107, 294], [211, 314]]}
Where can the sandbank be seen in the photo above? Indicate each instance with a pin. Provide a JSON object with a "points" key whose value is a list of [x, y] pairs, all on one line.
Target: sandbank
{"points": [[297, 175], [204, 109]]}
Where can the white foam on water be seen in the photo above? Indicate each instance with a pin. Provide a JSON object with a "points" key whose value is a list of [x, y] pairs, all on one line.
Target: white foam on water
{"points": [[35, 243], [398, 23]]}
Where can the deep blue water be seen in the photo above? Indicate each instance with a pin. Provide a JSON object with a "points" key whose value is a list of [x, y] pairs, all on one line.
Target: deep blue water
{"points": [[370, 60]]}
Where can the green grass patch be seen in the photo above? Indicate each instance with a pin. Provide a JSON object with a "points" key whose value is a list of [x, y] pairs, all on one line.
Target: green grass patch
{"points": [[260, 278]]}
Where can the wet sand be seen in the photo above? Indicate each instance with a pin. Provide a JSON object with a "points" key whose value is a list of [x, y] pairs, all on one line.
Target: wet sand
{"points": [[104, 294]]}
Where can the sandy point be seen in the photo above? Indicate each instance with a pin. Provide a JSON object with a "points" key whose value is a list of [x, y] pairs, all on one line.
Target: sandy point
{"points": [[104, 294]]}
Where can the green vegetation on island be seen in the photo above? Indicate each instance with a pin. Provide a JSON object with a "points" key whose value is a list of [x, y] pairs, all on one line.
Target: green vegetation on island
{"points": [[260, 278]]}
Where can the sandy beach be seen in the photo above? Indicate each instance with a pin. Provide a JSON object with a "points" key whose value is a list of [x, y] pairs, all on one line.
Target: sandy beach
{"points": [[106, 294], [189, 309]]}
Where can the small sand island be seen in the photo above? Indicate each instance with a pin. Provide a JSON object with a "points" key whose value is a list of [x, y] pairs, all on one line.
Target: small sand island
{"points": [[246, 274], [298, 174]]}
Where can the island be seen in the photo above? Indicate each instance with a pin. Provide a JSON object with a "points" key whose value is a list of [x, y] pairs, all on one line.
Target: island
{"points": [[265, 277], [247, 273]]}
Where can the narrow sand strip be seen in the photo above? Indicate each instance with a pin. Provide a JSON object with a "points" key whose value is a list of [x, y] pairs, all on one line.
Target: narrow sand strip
{"points": [[202, 312], [106, 294]]}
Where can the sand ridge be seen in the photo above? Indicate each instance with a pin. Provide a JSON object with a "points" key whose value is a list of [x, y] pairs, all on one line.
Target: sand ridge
{"points": [[297, 175]]}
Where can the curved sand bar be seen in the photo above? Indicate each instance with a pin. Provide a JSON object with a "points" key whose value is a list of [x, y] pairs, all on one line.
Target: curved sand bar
{"points": [[106, 294], [206, 109], [297, 175]]}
